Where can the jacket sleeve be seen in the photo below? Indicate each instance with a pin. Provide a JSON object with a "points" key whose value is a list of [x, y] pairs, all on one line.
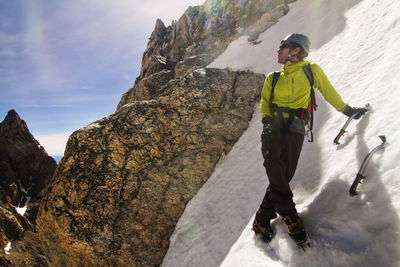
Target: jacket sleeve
{"points": [[265, 96], [326, 88]]}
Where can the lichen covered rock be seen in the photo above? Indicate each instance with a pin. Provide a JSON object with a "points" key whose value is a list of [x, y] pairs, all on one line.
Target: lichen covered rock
{"points": [[125, 180]]}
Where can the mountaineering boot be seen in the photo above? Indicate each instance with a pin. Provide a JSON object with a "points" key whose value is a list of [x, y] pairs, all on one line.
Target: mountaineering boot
{"points": [[266, 231], [295, 229]]}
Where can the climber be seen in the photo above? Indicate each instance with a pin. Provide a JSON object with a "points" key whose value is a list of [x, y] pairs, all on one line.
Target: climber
{"points": [[287, 104]]}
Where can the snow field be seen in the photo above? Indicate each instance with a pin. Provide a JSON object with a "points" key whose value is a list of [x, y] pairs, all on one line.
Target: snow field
{"points": [[357, 45]]}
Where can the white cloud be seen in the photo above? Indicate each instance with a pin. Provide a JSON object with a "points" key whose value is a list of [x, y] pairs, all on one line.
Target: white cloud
{"points": [[112, 23], [54, 143]]}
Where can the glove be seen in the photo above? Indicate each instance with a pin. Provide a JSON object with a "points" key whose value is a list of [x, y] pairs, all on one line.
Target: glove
{"points": [[349, 111], [268, 132]]}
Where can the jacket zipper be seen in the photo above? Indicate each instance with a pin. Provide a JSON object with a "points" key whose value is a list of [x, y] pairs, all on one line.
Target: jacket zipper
{"points": [[292, 86]]}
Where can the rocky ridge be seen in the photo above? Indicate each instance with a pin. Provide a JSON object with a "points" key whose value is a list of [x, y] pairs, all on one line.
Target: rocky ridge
{"points": [[26, 170], [25, 166], [197, 38]]}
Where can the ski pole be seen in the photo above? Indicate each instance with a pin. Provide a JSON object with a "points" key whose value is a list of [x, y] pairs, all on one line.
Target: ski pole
{"points": [[343, 130], [360, 174]]}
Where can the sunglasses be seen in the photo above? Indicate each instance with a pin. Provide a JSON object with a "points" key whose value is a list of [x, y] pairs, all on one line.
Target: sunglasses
{"points": [[286, 45]]}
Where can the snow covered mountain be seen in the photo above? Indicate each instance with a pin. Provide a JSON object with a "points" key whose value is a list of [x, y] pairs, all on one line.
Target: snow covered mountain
{"points": [[357, 44]]}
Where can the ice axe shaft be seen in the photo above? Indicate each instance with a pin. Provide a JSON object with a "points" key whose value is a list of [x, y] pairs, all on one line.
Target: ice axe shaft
{"points": [[343, 130], [360, 175]]}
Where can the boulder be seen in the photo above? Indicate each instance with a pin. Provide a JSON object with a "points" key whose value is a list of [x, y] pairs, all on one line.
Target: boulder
{"points": [[125, 180]]}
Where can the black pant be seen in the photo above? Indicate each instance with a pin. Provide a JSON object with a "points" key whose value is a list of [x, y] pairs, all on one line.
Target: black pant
{"points": [[280, 162]]}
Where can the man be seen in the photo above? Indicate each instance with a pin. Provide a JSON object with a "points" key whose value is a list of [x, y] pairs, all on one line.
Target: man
{"points": [[285, 110]]}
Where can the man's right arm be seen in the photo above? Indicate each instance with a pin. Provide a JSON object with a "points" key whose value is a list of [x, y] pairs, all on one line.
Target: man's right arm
{"points": [[265, 109]]}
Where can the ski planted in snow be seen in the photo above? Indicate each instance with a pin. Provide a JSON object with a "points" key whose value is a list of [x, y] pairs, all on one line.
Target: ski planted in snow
{"points": [[360, 175], [343, 130]]}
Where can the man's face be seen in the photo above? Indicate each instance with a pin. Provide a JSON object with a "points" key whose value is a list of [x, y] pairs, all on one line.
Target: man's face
{"points": [[283, 52]]}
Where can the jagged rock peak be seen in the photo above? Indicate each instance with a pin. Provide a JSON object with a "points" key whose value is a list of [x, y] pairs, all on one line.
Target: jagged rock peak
{"points": [[25, 172], [13, 121], [160, 30], [12, 115], [197, 38], [25, 166]]}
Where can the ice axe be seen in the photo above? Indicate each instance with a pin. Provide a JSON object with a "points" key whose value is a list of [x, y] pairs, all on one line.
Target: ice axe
{"points": [[360, 174], [343, 130]]}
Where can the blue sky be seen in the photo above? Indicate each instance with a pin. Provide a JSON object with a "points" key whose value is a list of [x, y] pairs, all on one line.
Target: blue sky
{"points": [[66, 63]]}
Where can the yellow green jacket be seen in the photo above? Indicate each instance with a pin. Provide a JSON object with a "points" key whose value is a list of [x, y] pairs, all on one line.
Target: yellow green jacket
{"points": [[293, 88]]}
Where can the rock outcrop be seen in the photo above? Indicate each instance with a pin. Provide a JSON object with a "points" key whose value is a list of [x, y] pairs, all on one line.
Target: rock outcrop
{"points": [[197, 38], [25, 166], [125, 180], [25, 172], [13, 227]]}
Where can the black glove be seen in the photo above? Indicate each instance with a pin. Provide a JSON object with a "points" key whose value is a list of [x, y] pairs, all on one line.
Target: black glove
{"points": [[349, 111], [269, 130]]}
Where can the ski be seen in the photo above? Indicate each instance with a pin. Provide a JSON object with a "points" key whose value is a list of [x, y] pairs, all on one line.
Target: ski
{"points": [[343, 130], [360, 175]]}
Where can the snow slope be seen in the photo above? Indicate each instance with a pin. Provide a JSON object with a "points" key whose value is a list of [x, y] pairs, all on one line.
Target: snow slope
{"points": [[357, 44]]}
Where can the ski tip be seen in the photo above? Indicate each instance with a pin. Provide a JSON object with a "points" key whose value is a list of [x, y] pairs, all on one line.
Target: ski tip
{"points": [[383, 138]]}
